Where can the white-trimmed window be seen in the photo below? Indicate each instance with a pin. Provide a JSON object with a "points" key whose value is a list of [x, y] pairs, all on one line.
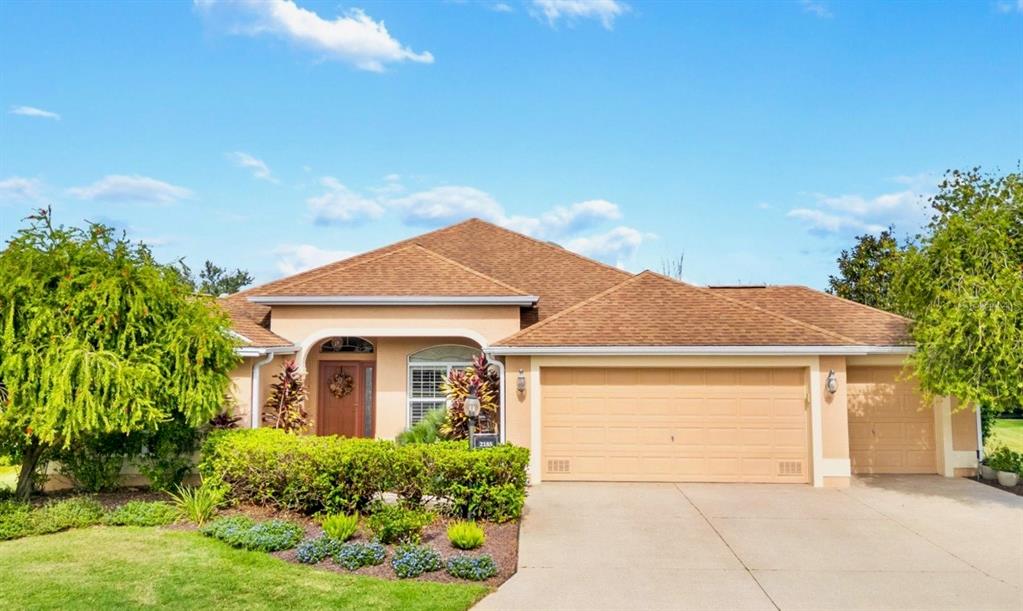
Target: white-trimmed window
{"points": [[426, 372]]}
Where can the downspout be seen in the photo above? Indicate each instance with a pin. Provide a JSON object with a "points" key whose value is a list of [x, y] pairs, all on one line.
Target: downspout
{"points": [[254, 402], [980, 438]]}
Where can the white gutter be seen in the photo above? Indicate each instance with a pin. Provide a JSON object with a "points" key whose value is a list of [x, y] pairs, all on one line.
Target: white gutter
{"points": [[249, 351], [701, 350], [254, 403], [417, 300]]}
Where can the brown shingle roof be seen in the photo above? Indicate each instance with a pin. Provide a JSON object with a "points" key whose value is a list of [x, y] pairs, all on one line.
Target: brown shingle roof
{"points": [[250, 321], [411, 270], [862, 323], [652, 310]]}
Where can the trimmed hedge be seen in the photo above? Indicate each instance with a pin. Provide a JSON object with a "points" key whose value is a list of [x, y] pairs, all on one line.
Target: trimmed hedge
{"points": [[313, 474]]}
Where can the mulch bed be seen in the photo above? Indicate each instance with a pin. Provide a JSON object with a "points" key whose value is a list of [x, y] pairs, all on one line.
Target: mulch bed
{"points": [[1017, 489], [502, 543]]}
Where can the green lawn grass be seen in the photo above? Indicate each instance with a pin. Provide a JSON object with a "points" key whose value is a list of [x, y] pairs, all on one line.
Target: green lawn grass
{"points": [[132, 568], [1008, 432], [8, 476]]}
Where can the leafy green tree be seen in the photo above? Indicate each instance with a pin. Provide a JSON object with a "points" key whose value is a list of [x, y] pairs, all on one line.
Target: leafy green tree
{"points": [[865, 272], [215, 280], [97, 337], [963, 286]]}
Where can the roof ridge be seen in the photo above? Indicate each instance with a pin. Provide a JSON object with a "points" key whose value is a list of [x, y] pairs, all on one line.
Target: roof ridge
{"points": [[779, 315], [347, 263], [559, 248], [568, 310], [850, 301], [464, 267], [308, 274]]}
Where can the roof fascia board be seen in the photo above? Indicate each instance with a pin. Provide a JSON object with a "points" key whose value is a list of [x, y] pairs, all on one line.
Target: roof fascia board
{"points": [[255, 351], [519, 300], [701, 350]]}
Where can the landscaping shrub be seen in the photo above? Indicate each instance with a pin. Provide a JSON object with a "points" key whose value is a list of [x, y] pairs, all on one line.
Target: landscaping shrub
{"points": [[340, 526], [167, 458], [414, 560], [353, 556], [480, 484], [246, 533], [476, 568], [427, 430], [313, 474], [466, 535], [93, 464], [312, 551], [200, 503], [296, 472], [398, 524], [56, 516], [1003, 458], [142, 513], [15, 520]]}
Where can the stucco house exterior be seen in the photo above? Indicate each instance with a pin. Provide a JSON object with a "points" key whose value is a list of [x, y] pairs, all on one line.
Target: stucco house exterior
{"points": [[607, 375]]}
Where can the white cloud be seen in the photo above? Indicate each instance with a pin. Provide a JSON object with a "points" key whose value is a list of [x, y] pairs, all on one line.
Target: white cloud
{"points": [[617, 245], [339, 204], [604, 10], [32, 111], [906, 209], [445, 205], [142, 189], [817, 8], [17, 188], [354, 37], [564, 220], [1009, 6], [295, 258], [256, 166], [501, 7]]}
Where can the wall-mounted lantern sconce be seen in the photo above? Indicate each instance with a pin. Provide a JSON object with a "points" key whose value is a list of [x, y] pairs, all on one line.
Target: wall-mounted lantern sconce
{"points": [[520, 382], [832, 382]]}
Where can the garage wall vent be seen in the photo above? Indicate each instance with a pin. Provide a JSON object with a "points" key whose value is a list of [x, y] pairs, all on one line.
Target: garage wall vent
{"points": [[558, 465], [790, 467]]}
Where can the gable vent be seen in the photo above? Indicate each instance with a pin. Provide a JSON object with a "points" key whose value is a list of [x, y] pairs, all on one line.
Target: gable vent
{"points": [[559, 465], [790, 467]]}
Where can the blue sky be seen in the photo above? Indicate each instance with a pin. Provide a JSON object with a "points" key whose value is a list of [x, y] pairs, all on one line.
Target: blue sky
{"points": [[755, 137]]}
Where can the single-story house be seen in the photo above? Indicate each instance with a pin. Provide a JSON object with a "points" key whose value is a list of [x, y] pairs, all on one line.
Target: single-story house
{"points": [[606, 375]]}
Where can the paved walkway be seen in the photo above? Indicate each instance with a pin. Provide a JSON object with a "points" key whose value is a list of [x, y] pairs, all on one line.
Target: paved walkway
{"points": [[887, 542]]}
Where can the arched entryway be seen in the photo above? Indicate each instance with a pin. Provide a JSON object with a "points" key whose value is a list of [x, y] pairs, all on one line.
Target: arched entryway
{"points": [[344, 380]]}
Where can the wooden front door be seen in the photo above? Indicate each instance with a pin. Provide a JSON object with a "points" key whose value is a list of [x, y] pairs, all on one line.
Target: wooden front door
{"points": [[348, 414]]}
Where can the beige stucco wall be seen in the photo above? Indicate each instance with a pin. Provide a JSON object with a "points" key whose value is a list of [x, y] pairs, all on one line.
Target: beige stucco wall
{"points": [[834, 409], [964, 427], [241, 384], [489, 323], [516, 404]]}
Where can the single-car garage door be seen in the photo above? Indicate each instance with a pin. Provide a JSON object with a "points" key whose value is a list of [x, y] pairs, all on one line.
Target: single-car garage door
{"points": [[639, 424], [888, 430]]}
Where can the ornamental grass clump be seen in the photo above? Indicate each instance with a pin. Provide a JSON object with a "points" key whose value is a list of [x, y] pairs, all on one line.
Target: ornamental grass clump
{"points": [[354, 556], [142, 513], [474, 568], [466, 535], [340, 527], [414, 560], [200, 503]]}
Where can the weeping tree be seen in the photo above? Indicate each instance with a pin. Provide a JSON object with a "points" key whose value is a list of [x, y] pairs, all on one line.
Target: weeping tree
{"points": [[483, 378], [97, 337]]}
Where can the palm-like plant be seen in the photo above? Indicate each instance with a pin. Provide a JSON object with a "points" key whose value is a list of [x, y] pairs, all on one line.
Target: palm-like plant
{"points": [[285, 407], [483, 377]]}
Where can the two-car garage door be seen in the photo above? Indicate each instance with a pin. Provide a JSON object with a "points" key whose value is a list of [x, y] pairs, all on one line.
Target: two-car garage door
{"points": [[692, 424]]}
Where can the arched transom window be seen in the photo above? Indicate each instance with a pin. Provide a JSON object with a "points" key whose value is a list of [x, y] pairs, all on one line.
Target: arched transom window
{"points": [[427, 370], [346, 344]]}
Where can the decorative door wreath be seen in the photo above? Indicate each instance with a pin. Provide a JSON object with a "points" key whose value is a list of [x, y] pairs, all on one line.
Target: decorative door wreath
{"points": [[341, 385]]}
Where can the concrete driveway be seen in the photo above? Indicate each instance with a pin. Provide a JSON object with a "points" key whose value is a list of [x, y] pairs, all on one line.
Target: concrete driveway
{"points": [[887, 542]]}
